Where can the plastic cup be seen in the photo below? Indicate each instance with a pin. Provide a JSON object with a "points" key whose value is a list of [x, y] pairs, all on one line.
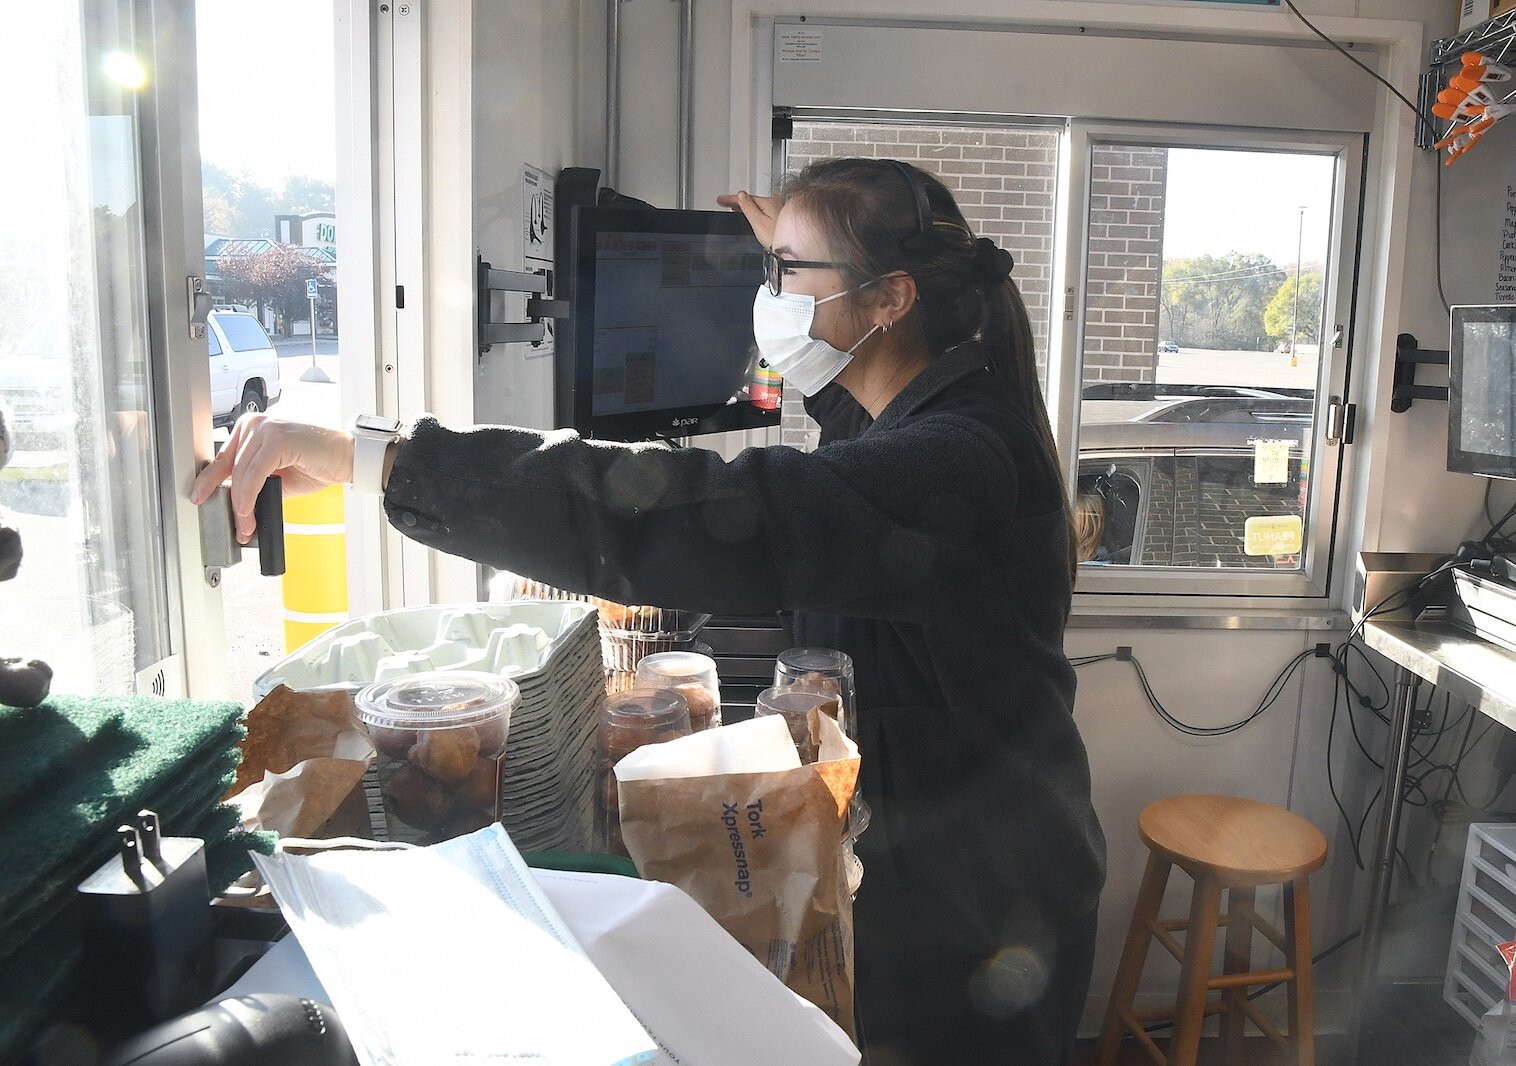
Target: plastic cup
{"points": [[628, 720], [795, 703], [826, 667], [690, 674], [441, 739]]}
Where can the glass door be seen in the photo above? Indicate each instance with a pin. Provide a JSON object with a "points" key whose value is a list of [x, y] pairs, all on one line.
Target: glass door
{"points": [[81, 481]]}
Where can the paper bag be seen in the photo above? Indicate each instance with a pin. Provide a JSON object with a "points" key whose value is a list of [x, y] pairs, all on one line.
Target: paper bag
{"points": [[302, 760], [731, 817]]}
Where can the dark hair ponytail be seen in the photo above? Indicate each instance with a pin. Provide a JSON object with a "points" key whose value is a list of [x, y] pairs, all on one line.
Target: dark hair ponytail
{"points": [[870, 211]]}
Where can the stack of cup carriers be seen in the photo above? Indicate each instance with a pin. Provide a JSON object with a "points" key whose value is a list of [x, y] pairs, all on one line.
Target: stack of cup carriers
{"points": [[627, 634], [551, 651], [71, 771]]}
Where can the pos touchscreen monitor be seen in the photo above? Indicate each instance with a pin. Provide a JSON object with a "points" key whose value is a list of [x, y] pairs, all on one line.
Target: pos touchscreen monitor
{"points": [[661, 316], [1482, 390]]}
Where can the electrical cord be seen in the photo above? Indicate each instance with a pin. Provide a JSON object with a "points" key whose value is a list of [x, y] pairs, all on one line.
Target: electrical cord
{"points": [[1358, 63], [1270, 696]]}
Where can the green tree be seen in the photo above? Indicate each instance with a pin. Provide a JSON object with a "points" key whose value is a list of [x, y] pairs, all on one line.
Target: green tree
{"points": [[1216, 301], [237, 206], [305, 195], [1281, 311], [276, 277]]}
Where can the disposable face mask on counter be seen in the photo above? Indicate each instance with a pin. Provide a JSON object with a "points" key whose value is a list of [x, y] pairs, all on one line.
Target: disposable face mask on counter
{"points": [[451, 954], [782, 328]]}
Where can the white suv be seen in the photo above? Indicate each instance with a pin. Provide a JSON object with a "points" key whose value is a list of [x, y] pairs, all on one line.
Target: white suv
{"points": [[244, 366]]}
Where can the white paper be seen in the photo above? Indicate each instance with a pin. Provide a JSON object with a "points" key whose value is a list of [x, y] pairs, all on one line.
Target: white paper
{"points": [[1505, 261], [451, 954], [759, 745], [1271, 462], [701, 995]]}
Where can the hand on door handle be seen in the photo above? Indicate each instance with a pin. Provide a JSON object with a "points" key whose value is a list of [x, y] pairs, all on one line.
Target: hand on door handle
{"points": [[304, 457]]}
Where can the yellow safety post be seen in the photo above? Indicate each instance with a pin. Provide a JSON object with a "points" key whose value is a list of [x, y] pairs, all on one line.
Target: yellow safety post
{"points": [[315, 565]]}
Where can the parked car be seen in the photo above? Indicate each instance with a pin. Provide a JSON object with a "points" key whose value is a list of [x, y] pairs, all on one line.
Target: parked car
{"points": [[1166, 472], [244, 366], [1167, 348]]}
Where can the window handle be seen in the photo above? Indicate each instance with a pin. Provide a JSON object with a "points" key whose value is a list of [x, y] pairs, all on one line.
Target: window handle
{"points": [[200, 304], [1341, 419]]}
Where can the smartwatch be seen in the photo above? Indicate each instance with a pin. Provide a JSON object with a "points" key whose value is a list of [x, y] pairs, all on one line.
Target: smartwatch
{"points": [[372, 436]]}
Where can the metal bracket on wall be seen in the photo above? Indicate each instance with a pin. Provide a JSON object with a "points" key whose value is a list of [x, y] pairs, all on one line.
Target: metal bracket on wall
{"points": [[538, 307], [1405, 389]]}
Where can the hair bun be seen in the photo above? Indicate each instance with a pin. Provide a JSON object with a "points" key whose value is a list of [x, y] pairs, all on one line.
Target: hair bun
{"points": [[992, 262]]}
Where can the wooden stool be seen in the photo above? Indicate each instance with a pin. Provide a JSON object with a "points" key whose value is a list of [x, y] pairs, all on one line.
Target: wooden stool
{"points": [[1230, 844]]}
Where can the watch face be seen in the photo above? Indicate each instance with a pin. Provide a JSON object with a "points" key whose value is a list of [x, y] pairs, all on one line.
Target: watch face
{"points": [[377, 424]]}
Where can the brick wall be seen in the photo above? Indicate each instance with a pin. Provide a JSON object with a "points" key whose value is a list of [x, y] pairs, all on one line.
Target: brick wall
{"points": [[1004, 180], [1125, 263]]}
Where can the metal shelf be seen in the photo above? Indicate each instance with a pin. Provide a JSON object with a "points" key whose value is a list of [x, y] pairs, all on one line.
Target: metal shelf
{"points": [[1494, 38], [1495, 33]]}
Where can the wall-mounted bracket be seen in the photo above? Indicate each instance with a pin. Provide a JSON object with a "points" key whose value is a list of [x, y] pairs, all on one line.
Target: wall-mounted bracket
{"points": [[1405, 390], [538, 306]]}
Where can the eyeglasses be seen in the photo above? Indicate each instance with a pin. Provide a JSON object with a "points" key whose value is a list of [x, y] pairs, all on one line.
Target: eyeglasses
{"points": [[775, 268]]}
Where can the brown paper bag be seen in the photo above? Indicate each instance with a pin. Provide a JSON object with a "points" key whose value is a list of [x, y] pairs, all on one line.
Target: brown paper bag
{"points": [[761, 852], [302, 760]]}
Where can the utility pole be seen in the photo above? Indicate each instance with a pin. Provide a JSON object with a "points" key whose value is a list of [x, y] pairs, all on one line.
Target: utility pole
{"points": [[1295, 314]]}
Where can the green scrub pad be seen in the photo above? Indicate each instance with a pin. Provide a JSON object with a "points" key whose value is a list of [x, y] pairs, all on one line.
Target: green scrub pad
{"points": [[38, 744]]}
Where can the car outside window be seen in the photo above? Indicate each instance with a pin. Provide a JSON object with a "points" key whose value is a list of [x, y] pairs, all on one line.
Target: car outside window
{"points": [[243, 332], [215, 342]]}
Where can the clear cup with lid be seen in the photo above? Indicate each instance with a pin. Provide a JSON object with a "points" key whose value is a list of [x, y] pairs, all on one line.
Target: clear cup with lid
{"points": [[440, 737], [795, 703], [832, 668], [628, 720], [826, 667], [690, 674]]}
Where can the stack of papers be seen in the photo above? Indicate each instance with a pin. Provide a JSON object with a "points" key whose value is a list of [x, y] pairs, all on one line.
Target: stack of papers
{"points": [[438, 934], [451, 954], [552, 652]]}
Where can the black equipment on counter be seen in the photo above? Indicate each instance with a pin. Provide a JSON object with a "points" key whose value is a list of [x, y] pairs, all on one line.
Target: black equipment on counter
{"points": [[265, 1029]]}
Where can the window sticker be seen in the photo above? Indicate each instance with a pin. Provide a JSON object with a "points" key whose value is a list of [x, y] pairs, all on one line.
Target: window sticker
{"points": [[1271, 462], [799, 46], [1272, 535]]}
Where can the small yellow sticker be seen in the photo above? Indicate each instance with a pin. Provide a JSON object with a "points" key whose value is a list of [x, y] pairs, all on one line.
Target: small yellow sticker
{"points": [[1271, 462], [1272, 535]]}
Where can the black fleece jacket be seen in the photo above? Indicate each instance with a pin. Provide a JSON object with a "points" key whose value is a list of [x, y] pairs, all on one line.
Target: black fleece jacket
{"points": [[931, 546]]}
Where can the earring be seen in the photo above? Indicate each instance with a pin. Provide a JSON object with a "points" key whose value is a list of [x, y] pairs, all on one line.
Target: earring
{"points": [[887, 326]]}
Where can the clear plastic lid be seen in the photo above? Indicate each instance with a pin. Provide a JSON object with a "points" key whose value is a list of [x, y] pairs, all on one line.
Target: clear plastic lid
{"points": [[668, 669], [827, 662], [646, 708], [439, 699]]}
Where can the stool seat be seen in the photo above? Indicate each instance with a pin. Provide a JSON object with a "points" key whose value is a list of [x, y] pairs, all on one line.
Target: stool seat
{"points": [[1239, 841]]}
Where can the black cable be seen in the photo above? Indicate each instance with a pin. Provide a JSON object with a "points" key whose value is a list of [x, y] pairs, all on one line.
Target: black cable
{"points": [[1441, 293], [1359, 63], [1331, 785]]}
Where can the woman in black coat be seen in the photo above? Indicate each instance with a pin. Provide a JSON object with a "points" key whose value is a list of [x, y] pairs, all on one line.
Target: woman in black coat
{"points": [[928, 537]]}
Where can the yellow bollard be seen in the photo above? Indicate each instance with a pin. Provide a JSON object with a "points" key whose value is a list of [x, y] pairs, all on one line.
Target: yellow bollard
{"points": [[315, 561]]}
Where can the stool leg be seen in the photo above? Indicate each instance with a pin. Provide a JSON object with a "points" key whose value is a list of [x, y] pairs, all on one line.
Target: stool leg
{"points": [[1297, 931], [1199, 941], [1133, 955], [1239, 958]]}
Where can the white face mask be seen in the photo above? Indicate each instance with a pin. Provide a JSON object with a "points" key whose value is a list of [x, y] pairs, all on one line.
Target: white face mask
{"points": [[782, 328]]}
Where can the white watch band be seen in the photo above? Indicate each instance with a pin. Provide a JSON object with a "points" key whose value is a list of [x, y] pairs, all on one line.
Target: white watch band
{"points": [[368, 462]]}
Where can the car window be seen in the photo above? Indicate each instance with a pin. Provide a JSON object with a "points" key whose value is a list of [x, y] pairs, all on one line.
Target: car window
{"points": [[210, 335], [243, 332]]}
